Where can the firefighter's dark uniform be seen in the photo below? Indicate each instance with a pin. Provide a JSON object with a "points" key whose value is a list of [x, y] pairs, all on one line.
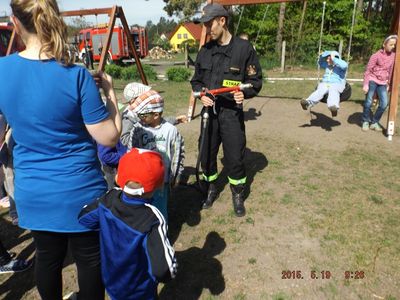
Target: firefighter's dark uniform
{"points": [[223, 66]]}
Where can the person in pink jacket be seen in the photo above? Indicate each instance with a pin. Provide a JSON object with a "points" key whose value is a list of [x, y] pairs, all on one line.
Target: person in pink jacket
{"points": [[377, 79]]}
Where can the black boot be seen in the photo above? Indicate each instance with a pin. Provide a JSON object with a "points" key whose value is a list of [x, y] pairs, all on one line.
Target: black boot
{"points": [[212, 195], [238, 199]]}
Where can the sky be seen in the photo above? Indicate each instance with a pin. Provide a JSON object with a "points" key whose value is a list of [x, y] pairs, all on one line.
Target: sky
{"points": [[136, 11]]}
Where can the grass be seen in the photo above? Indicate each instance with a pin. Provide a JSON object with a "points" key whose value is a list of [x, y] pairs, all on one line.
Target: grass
{"points": [[309, 209]]}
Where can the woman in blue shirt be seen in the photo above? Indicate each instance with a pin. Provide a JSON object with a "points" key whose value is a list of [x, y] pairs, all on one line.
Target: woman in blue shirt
{"points": [[56, 114]]}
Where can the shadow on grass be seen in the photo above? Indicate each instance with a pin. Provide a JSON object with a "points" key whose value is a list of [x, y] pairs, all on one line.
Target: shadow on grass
{"points": [[355, 119], [251, 114], [322, 121], [198, 270], [183, 208], [255, 162]]}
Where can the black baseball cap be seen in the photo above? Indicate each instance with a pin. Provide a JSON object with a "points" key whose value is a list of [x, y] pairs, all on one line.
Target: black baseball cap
{"points": [[211, 11]]}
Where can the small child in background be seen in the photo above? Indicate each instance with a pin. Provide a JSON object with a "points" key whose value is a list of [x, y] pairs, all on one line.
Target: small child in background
{"points": [[135, 250], [154, 133], [377, 77], [333, 82]]}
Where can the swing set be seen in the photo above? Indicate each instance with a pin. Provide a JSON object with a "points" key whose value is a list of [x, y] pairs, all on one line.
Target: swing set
{"points": [[395, 29], [113, 13]]}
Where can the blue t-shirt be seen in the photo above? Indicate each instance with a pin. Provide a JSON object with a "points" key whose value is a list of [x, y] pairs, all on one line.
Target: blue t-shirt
{"points": [[57, 171]]}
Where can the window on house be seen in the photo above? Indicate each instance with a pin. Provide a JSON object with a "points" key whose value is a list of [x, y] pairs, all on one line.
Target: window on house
{"points": [[179, 36], [185, 36]]}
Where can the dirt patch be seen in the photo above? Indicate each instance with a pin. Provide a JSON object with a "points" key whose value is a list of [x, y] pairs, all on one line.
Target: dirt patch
{"points": [[323, 198]]}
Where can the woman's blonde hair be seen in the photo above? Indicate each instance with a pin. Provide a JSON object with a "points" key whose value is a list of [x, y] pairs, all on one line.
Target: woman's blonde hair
{"points": [[42, 17]]}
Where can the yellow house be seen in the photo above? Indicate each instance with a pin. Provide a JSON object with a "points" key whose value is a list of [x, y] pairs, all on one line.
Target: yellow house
{"points": [[184, 32]]}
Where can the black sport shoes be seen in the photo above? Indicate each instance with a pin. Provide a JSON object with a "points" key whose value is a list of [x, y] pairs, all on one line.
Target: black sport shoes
{"points": [[305, 104], [15, 265], [333, 110]]}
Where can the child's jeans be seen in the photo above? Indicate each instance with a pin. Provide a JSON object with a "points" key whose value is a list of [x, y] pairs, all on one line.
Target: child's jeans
{"points": [[160, 200], [332, 89], [381, 90]]}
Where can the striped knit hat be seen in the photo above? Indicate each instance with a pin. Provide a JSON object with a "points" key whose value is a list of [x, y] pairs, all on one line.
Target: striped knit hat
{"points": [[149, 101], [133, 90]]}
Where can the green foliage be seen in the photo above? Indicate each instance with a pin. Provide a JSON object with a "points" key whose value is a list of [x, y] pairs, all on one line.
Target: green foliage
{"points": [[154, 31], [178, 74], [114, 71], [131, 72], [193, 46], [371, 26], [162, 43], [182, 8]]}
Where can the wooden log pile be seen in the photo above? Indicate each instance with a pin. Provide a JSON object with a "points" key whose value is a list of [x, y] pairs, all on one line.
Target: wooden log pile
{"points": [[159, 53]]}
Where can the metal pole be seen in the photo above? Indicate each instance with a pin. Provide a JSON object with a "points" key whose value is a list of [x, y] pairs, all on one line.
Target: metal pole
{"points": [[240, 18], [351, 30], [259, 29], [320, 35], [283, 56]]}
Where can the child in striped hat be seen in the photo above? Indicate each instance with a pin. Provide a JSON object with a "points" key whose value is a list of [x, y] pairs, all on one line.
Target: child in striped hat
{"points": [[152, 132]]}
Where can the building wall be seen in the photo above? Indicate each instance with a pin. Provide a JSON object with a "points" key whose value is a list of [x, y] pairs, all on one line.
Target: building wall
{"points": [[180, 36]]}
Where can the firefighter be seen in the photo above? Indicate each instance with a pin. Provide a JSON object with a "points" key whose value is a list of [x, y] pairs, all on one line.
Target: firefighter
{"points": [[89, 55], [223, 62]]}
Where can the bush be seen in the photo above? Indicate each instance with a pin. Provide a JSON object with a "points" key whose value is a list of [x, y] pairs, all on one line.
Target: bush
{"points": [[132, 73], [178, 74], [114, 70]]}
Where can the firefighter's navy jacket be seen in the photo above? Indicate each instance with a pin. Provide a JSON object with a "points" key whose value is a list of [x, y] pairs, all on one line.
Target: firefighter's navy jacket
{"points": [[225, 66], [231, 64], [135, 251]]}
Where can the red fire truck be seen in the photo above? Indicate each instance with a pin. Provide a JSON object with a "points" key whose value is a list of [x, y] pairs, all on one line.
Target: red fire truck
{"points": [[5, 35], [94, 38]]}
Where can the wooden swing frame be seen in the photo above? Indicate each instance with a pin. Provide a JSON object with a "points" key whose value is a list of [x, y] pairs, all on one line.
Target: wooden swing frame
{"points": [[114, 13], [394, 90]]}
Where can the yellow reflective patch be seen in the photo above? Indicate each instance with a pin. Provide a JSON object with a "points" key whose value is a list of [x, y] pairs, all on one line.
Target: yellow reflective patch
{"points": [[230, 83]]}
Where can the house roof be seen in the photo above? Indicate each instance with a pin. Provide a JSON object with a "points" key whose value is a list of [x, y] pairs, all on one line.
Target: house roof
{"points": [[194, 30]]}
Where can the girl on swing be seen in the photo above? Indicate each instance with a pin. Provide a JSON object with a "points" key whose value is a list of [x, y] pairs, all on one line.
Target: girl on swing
{"points": [[377, 79], [333, 82]]}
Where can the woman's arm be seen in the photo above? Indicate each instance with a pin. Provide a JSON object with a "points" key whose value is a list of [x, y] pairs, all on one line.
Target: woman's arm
{"points": [[108, 131]]}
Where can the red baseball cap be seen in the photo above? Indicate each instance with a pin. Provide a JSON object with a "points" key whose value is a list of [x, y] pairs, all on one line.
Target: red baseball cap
{"points": [[142, 166]]}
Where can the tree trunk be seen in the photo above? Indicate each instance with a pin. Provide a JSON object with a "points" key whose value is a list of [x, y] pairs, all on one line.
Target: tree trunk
{"points": [[280, 27], [360, 6], [293, 51], [369, 9]]}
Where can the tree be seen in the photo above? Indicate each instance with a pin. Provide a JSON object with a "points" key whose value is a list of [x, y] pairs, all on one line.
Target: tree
{"points": [[280, 27], [184, 9], [154, 31]]}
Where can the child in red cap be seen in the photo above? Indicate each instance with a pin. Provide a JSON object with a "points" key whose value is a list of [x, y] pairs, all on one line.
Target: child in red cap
{"points": [[135, 250]]}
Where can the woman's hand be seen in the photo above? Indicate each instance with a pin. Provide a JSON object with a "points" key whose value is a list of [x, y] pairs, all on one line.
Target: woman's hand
{"points": [[104, 81]]}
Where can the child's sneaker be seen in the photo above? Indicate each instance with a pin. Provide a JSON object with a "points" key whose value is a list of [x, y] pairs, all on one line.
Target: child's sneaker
{"points": [[15, 265], [375, 127], [333, 110], [365, 126], [305, 104]]}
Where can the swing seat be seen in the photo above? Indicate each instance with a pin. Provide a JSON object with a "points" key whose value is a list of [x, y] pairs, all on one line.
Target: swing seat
{"points": [[344, 96]]}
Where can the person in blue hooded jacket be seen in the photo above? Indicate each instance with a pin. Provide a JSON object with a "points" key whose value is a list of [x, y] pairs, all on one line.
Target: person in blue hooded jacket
{"points": [[333, 82]]}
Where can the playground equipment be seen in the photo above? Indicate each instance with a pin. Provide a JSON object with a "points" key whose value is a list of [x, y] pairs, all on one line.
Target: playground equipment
{"points": [[394, 29], [114, 13], [346, 94]]}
